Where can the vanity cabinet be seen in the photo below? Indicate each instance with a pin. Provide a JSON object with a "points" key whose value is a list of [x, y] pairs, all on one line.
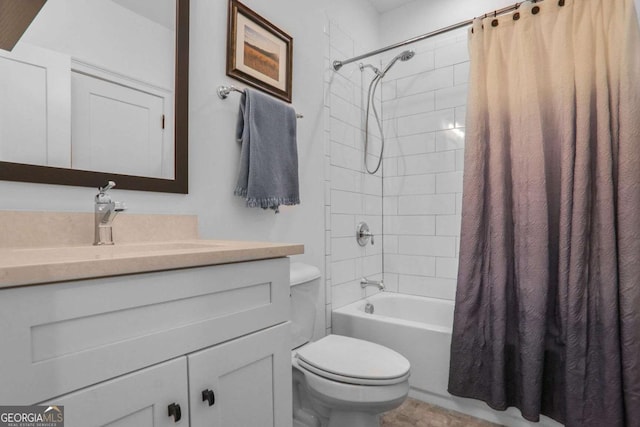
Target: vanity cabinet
{"points": [[140, 399], [119, 351], [243, 383]]}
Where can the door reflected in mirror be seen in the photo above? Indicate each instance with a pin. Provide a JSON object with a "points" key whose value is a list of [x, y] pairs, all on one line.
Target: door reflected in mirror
{"points": [[94, 89]]}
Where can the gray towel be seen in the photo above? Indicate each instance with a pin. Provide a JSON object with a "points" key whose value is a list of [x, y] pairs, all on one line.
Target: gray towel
{"points": [[268, 174]]}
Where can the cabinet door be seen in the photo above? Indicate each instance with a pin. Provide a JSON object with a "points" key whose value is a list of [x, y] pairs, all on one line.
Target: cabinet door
{"points": [[249, 379], [139, 399]]}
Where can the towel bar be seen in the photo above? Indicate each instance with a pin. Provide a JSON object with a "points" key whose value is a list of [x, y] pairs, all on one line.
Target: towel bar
{"points": [[224, 91]]}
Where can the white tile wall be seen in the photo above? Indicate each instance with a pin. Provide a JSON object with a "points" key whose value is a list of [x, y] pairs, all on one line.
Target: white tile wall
{"points": [[452, 139], [436, 204], [354, 195], [424, 111], [435, 287], [343, 133], [407, 145], [455, 96], [413, 205], [443, 161], [397, 225], [447, 225], [437, 246], [409, 105], [410, 264], [461, 73], [426, 122], [410, 184], [388, 89], [424, 82], [422, 61], [450, 182], [451, 54]]}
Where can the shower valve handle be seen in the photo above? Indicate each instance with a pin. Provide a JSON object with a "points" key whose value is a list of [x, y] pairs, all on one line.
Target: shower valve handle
{"points": [[363, 235], [369, 234]]}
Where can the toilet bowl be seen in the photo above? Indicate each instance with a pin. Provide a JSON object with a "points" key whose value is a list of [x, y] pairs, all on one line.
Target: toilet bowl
{"points": [[339, 381]]}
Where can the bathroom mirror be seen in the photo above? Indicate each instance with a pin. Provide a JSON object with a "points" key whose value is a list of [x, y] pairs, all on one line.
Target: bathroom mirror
{"points": [[97, 91]]}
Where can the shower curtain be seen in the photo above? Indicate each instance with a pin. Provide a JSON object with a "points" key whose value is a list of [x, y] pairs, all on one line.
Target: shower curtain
{"points": [[547, 314]]}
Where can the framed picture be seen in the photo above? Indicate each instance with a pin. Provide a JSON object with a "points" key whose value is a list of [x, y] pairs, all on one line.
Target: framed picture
{"points": [[259, 53]]}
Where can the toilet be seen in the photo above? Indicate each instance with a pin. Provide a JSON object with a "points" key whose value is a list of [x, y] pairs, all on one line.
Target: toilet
{"points": [[338, 381]]}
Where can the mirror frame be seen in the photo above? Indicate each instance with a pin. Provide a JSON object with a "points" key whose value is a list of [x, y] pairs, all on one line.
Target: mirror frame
{"points": [[180, 184]]}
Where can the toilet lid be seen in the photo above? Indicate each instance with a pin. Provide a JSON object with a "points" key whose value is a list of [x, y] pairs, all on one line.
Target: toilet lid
{"points": [[353, 361]]}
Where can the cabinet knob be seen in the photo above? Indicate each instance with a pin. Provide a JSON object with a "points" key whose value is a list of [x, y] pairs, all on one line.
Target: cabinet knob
{"points": [[208, 396], [175, 412]]}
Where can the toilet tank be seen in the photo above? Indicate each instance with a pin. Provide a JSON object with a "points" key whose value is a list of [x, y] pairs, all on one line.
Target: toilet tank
{"points": [[305, 287]]}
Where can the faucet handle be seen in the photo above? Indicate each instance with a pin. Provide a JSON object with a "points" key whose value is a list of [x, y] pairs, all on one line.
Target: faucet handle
{"points": [[102, 196], [107, 187]]}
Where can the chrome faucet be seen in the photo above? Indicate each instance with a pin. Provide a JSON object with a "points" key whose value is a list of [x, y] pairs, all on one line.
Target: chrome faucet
{"points": [[364, 282], [105, 212]]}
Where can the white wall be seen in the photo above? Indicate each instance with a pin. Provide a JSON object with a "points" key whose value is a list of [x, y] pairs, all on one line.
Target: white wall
{"points": [[423, 16], [213, 151]]}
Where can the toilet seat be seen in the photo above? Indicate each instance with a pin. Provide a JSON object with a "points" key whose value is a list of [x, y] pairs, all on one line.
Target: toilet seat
{"points": [[353, 361]]}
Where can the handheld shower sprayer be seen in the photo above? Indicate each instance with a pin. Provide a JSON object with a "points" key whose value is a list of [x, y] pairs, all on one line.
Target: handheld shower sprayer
{"points": [[403, 56]]}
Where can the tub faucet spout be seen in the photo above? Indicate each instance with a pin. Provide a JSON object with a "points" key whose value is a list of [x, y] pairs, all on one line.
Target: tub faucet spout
{"points": [[105, 212], [364, 282]]}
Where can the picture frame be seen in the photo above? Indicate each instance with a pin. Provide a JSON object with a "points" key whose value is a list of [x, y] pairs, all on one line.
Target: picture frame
{"points": [[259, 53]]}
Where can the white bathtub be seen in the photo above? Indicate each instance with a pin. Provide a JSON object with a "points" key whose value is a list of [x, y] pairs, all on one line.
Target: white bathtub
{"points": [[420, 329]]}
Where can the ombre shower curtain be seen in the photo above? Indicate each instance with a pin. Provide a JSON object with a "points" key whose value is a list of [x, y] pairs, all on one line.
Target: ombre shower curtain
{"points": [[547, 314]]}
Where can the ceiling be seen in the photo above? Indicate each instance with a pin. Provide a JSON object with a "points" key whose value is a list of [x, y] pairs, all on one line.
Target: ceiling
{"points": [[163, 12], [383, 6]]}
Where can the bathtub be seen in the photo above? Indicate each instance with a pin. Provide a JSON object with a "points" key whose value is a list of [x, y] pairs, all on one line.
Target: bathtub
{"points": [[420, 329]]}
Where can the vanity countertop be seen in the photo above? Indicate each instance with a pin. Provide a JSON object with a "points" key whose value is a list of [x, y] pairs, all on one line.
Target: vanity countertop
{"points": [[28, 266]]}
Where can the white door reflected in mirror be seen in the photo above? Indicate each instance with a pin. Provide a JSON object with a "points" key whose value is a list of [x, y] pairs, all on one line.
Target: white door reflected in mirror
{"points": [[90, 86]]}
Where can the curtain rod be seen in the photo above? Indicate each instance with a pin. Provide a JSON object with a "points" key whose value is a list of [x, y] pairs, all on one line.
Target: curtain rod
{"points": [[338, 64]]}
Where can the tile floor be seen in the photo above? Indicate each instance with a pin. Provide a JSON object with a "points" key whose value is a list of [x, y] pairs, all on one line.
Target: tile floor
{"points": [[414, 413]]}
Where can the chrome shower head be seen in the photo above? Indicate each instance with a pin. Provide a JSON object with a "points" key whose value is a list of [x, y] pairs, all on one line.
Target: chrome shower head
{"points": [[407, 55], [402, 56]]}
